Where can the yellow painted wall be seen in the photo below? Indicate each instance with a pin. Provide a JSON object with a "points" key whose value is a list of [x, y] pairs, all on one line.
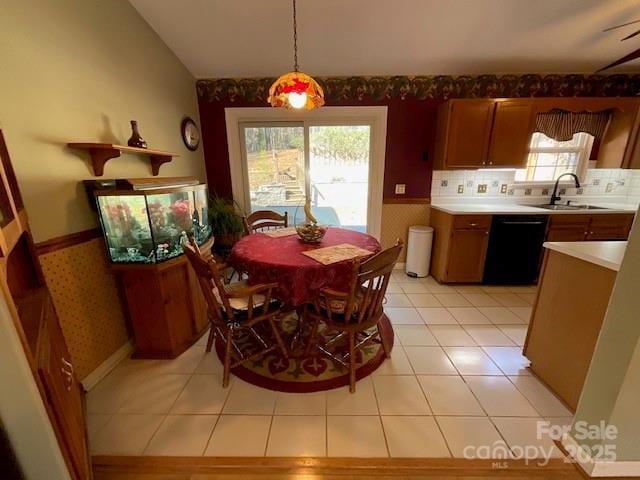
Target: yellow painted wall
{"points": [[396, 220], [80, 70]]}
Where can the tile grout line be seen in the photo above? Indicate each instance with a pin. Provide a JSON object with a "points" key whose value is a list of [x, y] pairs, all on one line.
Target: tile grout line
{"points": [[273, 413], [146, 446], [433, 415], [226, 397], [166, 415], [384, 433]]}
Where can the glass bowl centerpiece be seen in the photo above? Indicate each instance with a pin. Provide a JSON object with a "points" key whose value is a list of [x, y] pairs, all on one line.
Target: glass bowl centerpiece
{"points": [[309, 231]]}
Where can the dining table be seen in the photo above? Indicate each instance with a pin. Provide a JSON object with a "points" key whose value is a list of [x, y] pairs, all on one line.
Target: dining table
{"points": [[265, 259], [280, 258]]}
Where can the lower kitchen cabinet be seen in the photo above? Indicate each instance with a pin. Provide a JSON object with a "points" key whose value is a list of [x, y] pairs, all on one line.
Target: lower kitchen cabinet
{"points": [[460, 246], [568, 228], [461, 241], [580, 227], [563, 332], [609, 227]]}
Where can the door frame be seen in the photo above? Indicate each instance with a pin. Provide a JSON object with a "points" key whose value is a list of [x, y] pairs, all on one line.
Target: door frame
{"points": [[376, 117]]}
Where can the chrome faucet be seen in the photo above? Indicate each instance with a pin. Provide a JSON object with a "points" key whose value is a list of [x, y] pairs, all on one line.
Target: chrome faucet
{"points": [[554, 196]]}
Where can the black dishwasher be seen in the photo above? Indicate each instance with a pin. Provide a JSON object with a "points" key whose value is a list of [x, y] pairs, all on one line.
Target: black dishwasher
{"points": [[515, 246]]}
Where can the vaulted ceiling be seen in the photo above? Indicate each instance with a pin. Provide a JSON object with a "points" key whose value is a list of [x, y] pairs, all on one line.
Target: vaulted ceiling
{"points": [[251, 38]]}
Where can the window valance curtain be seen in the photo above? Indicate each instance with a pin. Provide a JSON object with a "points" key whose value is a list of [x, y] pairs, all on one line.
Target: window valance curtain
{"points": [[561, 125]]}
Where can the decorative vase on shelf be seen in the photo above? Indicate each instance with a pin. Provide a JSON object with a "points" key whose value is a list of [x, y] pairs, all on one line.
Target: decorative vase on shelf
{"points": [[136, 140]]}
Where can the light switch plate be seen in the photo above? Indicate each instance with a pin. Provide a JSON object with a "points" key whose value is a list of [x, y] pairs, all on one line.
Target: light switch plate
{"points": [[400, 188], [482, 188]]}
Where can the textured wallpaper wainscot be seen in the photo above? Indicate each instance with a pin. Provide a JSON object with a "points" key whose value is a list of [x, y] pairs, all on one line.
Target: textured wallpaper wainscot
{"points": [[86, 299]]}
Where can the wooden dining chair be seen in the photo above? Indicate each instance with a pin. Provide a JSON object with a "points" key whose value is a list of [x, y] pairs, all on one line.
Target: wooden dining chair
{"points": [[355, 314], [234, 308], [262, 220]]}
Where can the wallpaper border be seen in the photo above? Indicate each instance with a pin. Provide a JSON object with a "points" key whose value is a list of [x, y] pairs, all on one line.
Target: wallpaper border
{"points": [[433, 87]]}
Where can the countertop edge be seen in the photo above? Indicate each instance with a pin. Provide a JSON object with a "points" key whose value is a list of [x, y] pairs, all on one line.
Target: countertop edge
{"points": [[585, 251], [523, 210]]}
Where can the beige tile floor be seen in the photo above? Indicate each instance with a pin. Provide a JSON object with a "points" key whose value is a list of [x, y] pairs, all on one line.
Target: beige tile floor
{"points": [[456, 378]]}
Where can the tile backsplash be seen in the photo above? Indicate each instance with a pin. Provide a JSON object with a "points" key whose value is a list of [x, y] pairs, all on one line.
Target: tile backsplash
{"points": [[614, 185]]}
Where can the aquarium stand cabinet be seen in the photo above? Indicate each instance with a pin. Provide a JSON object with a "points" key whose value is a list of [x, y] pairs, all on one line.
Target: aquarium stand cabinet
{"points": [[145, 222], [166, 308], [103, 152]]}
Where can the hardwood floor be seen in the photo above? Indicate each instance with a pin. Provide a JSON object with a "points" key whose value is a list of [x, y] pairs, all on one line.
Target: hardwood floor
{"points": [[192, 468]]}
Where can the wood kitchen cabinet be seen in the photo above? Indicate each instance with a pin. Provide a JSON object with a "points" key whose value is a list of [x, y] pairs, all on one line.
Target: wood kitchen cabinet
{"points": [[568, 228], [484, 133], [609, 227], [573, 295], [460, 246], [461, 241], [513, 122], [464, 130], [495, 133], [581, 227]]}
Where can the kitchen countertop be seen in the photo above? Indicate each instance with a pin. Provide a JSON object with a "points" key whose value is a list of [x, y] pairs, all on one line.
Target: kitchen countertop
{"points": [[514, 209], [606, 254]]}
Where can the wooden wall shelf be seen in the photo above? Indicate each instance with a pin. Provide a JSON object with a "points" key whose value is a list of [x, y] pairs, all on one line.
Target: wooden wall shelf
{"points": [[102, 152]]}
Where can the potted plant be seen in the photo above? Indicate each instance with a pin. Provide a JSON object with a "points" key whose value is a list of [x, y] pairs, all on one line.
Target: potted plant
{"points": [[227, 225]]}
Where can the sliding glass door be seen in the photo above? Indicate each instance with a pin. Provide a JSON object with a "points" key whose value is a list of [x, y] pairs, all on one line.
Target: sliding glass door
{"points": [[285, 163]]}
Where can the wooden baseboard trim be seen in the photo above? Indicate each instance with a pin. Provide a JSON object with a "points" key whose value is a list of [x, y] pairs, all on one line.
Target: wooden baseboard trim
{"points": [[400, 200], [105, 367], [112, 466], [66, 241]]}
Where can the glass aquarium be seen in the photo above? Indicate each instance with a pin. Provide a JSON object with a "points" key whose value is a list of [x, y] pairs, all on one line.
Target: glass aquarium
{"points": [[149, 226]]}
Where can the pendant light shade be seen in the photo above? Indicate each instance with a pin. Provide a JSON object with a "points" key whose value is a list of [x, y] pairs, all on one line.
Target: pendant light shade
{"points": [[296, 89]]}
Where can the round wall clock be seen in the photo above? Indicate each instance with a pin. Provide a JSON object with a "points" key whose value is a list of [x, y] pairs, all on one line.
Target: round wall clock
{"points": [[190, 134]]}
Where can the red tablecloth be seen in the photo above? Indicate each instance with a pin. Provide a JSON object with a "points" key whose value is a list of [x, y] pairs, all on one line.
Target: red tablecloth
{"points": [[268, 259]]}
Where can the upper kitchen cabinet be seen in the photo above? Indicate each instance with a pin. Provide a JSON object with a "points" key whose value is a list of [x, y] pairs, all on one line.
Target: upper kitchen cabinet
{"points": [[496, 133], [464, 128], [511, 133], [483, 133]]}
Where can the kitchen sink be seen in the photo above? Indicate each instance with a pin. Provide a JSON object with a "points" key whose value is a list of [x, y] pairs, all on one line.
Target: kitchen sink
{"points": [[559, 206]]}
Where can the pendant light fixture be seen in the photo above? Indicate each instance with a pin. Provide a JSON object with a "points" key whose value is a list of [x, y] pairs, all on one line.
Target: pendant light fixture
{"points": [[296, 89]]}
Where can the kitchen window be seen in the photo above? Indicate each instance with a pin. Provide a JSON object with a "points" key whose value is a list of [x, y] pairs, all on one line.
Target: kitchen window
{"points": [[549, 158]]}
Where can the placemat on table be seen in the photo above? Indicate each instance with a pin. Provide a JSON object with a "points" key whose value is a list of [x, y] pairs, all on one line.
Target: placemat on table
{"points": [[280, 232], [336, 253]]}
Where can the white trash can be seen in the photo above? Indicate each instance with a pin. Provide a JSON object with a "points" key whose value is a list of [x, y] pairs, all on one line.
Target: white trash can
{"points": [[419, 251]]}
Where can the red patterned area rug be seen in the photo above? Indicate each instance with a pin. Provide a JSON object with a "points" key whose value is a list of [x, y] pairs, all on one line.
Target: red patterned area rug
{"points": [[306, 374]]}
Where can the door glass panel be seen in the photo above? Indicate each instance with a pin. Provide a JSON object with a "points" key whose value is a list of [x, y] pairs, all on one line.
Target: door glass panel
{"points": [[339, 174], [275, 167]]}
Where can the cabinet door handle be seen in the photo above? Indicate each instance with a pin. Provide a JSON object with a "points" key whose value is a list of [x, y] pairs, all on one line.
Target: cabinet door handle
{"points": [[68, 365], [473, 224], [69, 377], [486, 232]]}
